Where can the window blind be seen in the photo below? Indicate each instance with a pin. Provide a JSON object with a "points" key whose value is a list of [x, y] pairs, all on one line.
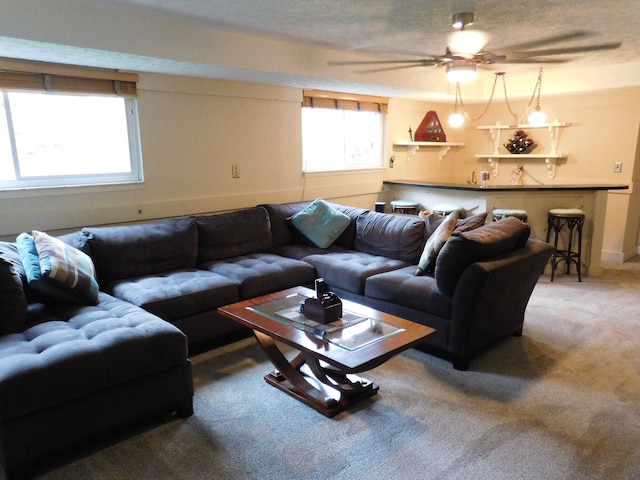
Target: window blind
{"points": [[344, 101], [55, 78]]}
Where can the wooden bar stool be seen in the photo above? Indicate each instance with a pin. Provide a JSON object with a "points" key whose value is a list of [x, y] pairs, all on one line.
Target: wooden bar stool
{"points": [[405, 206], [500, 213], [573, 219]]}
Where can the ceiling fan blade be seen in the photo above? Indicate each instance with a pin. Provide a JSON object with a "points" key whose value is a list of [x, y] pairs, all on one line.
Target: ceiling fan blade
{"points": [[530, 60], [545, 41], [424, 62], [399, 67], [568, 50]]}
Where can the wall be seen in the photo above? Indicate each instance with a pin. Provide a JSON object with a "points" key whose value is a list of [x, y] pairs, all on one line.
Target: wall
{"points": [[604, 129], [193, 130]]}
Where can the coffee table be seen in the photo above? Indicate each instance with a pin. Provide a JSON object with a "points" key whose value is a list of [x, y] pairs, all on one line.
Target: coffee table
{"points": [[322, 373]]}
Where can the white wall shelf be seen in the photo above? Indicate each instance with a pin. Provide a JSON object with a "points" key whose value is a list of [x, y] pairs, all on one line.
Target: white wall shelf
{"points": [[549, 158], [413, 147]]}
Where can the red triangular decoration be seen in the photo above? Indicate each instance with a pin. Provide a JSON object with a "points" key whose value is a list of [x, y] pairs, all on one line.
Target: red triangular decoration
{"points": [[430, 130]]}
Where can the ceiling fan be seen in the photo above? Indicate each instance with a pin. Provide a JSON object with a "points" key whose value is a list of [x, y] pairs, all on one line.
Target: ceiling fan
{"points": [[465, 52]]}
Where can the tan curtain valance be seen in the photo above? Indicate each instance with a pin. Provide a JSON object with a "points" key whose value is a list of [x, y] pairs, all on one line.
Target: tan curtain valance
{"points": [[54, 78], [344, 101]]}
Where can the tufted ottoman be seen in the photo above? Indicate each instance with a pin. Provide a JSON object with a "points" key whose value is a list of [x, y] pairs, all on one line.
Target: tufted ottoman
{"points": [[82, 370]]}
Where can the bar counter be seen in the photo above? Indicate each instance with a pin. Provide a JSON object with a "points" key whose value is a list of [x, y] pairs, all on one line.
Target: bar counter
{"points": [[537, 200]]}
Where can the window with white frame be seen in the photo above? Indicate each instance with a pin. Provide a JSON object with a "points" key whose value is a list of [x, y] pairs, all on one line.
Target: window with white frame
{"points": [[342, 132], [74, 126]]}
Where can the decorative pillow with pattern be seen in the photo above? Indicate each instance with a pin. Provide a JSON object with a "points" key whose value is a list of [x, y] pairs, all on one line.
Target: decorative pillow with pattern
{"points": [[67, 267], [435, 243], [321, 223], [47, 289]]}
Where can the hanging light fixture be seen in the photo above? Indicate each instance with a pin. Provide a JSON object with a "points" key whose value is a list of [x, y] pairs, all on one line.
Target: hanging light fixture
{"points": [[537, 117], [456, 119]]}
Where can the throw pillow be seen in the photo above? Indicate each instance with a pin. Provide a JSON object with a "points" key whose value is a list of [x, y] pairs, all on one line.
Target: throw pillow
{"points": [[431, 222], [36, 281], [12, 295], [320, 223], [67, 267], [471, 223], [435, 243]]}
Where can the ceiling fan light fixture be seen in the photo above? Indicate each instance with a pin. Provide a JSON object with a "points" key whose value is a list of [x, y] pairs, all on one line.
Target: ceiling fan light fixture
{"points": [[462, 20], [467, 42], [461, 71]]}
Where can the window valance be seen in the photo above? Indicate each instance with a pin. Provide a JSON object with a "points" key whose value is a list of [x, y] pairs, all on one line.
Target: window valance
{"points": [[56, 78], [344, 101]]}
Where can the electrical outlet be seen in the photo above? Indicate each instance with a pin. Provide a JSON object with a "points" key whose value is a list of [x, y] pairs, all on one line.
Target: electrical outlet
{"points": [[617, 167], [235, 171]]}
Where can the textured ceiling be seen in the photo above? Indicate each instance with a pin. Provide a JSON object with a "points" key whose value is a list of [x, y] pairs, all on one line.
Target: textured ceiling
{"points": [[414, 28], [348, 29]]}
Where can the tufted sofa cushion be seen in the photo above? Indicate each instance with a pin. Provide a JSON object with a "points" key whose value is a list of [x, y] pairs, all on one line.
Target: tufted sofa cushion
{"points": [[261, 273], [394, 236], [179, 293], [82, 349], [404, 288], [136, 250], [233, 234], [349, 270]]}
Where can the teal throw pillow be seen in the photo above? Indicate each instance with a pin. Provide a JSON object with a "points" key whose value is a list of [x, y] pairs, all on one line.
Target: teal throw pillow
{"points": [[320, 223], [435, 243], [36, 281], [67, 268]]}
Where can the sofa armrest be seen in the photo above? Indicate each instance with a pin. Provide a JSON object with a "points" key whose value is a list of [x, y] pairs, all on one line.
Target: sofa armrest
{"points": [[491, 297]]}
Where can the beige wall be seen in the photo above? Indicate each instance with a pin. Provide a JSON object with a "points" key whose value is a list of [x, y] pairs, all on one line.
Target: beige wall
{"points": [[194, 130]]}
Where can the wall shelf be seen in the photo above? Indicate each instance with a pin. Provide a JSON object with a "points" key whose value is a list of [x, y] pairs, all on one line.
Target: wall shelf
{"points": [[549, 158], [413, 147]]}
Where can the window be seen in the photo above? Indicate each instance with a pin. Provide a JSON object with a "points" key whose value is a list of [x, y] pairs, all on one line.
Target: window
{"points": [[342, 132], [67, 130]]}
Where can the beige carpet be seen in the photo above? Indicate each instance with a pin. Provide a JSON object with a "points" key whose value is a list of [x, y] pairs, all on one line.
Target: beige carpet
{"points": [[561, 402]]}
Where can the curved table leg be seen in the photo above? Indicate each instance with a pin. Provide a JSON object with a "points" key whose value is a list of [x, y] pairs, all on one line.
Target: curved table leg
{"points": [[325, 388]]}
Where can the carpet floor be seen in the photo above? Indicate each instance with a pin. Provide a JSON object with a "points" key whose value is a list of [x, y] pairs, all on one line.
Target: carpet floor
{"points": [[560, 402]]}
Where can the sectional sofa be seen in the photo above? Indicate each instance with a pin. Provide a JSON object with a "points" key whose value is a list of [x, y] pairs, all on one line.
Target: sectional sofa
{"points": [[70, 370]]}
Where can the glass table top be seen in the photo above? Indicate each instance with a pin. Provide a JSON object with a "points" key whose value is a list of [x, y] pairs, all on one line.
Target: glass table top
{"points": [[351, 332]]}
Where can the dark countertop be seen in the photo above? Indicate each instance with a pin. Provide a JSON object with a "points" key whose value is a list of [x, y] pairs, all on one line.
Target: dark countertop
{"points": [[504, 188]]}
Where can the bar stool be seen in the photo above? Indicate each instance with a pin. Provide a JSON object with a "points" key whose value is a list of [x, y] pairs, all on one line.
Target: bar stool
{"points": [[500, 213], [573, 218], [405, 206], [446, 208]]}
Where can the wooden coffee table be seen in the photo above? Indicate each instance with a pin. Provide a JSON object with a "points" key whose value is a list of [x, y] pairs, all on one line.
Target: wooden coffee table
{"points": [[322, 374]]}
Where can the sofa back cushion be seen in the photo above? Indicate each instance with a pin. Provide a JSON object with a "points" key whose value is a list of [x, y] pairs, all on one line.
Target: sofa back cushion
{"points": [[282, 233], [394, 236], [348, 237], [135, 250], [464, 248], [12, 290], [233, 234]]}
